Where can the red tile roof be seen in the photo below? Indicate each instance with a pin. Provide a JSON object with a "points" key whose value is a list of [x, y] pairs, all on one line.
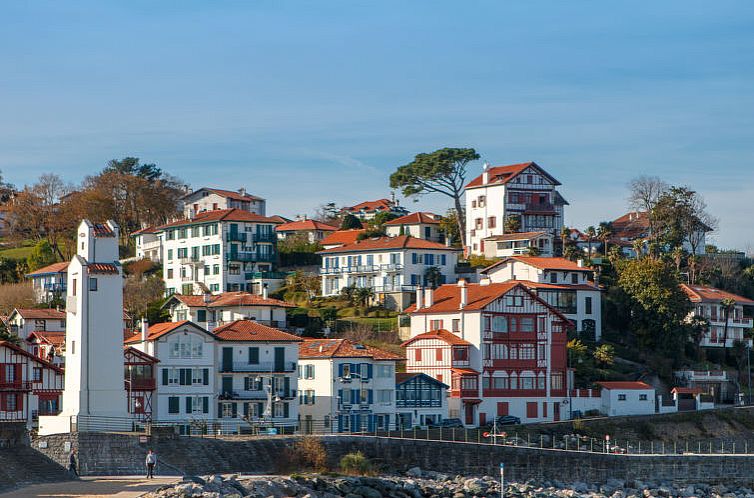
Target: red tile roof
{"points": [[232, 194], [158, 330], [630, 226], [61, 267], [102, 230], [464, 371], [622, 384], [55, 339], [149, 229], [340, 237], [302, 225], [19, 350], [416, 218], [103, 268], [702, 294], [687, 390], [442, 335], [41, 314], [237, 298], [219, 215], [387, 243], [342, 348], [542, 263], [516, 236], [249, 330], [448, 297], [378, 205], [500, 175]]}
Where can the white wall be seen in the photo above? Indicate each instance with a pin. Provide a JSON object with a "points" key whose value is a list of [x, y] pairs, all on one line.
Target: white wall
{"points": [[613, 405]]}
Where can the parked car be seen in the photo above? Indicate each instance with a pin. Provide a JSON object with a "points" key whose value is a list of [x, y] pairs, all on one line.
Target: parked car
{"points": [[448, 423], [505, 420]]}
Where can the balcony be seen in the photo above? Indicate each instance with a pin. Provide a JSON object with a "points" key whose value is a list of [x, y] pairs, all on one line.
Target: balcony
{"points": [[261, 367], [265, 275], [745, 322], [257, 395], [539, 207], [141, 385], [250, 257], [55, 287], [18, 385], [267, 238], [190, 260], [187, 279], [235, 237], [392, 267], [394, 288], [418, 403]]}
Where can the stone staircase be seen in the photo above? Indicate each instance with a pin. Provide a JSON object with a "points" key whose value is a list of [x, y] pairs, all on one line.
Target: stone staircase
{"points": [[22, 465]]}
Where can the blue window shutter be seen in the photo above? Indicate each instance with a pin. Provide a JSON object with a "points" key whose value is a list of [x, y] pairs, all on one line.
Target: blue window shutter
{"points": [[340, 395], [355, 396], [206, 377], [205, 404], [260, 409], [235, 410], [285, 410], [371, 399], [340, 370], [369, 371], [413, 258], [189, 407], [164, 376], [245, 409], [219, 410]]}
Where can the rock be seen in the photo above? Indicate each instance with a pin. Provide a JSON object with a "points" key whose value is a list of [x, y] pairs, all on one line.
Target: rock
{"points": [[414, 472]]}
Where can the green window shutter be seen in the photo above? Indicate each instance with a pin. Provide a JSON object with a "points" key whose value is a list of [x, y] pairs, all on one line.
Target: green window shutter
{"points": [[189, 407], [164, 376], [260, 409], [286, 385], [219, 410], [253, 356], [205, 404], [206, 377], [173, 404], [235, 410], [285, 410]]}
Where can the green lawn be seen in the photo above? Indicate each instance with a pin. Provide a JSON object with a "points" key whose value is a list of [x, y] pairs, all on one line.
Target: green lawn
{"points": [[16, 252]]}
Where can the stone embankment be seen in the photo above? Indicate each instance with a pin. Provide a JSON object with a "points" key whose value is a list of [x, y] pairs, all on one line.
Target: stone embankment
{"points": [[428, 484]]}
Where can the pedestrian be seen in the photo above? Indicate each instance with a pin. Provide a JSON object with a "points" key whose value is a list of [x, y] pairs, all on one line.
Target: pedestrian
{"points": [[151, 462], [72, 463]]}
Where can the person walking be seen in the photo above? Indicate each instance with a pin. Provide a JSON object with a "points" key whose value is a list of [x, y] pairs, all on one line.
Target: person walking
{"points": [[151, 462], [72, 463]]}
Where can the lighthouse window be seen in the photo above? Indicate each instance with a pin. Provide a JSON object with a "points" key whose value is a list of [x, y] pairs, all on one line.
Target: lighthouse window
{"points": [[92, 284]]}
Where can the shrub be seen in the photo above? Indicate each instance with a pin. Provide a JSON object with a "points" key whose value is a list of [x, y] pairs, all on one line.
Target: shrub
{"points": [[578, 425], [306, 454], [356, 464]]}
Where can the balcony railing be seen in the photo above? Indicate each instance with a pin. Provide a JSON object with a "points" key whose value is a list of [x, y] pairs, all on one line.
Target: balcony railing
{"points": [[250, 257], [418, 403], [395, 288], [18, 385], [262, 275], [262, 366], [260, 395], [236, 237], [141, 385], [264, 237], [388, 268], [190, 260], [56, 287], [543, 207]]}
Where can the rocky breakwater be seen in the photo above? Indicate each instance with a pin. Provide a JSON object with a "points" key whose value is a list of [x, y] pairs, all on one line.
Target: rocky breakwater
{"points": [[427, 484]]}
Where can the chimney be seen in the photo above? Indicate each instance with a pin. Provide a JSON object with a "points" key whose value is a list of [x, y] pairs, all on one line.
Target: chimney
{"points": [[580, 263], [429, 297], [144, 329], [485, 280], [464, 293], [242, 190], [419, 297], [485, 173], [264, 291]]}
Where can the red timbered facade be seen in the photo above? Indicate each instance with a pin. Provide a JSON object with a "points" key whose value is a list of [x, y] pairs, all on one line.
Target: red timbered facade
{"points": [[29, 385], [140, 382], [502, 348]]}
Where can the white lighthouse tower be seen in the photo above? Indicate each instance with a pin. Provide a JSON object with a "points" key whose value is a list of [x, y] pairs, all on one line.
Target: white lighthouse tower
{"points": [[94, 389]]}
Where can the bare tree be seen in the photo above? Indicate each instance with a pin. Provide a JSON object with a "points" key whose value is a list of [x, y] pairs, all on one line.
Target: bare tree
{"points": [[644, 193], [16, 296]]}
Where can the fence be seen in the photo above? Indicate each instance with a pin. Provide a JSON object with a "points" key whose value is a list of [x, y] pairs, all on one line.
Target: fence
{"points": [[506, 436]]}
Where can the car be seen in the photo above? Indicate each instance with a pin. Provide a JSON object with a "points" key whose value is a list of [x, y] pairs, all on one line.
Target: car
{"points": [[505, 420], [448, 423]]}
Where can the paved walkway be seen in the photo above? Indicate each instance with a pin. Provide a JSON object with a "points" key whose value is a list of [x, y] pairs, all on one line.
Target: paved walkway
{"points": [[108, 487]]}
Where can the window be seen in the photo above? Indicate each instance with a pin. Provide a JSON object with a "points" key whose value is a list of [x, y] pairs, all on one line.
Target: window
{"points": [[574, 278], [514, 300], [346, 367], [642, 397], [438, 354], [74, 286], [170, 273], [526, 324], [621, 397], [253, 356], [308, 371], [227, 410], [435, 324], [491, 222], [588, 305], [40, 324], [174, 405], [479, 223], [526, 352], [500, 324], [418, 356], [384, 396], [554, 278], [557, 381], [11, 402], [37, 374], [186, 346], [456, 325], [481, 201], [384, 371]]}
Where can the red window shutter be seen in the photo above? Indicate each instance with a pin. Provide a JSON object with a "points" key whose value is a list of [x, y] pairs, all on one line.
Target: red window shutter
{"points": [[439, 377], [418, 354], [19, 403], [502, 408], [18, 375], [531, 409], [438, 354], [544, 408], [4, 402], [2, 372]]}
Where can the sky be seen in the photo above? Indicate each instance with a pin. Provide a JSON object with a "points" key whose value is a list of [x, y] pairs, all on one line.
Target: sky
{"points": [[308, 102]]}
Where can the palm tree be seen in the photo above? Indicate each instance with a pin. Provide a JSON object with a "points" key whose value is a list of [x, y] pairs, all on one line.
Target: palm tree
{"points": [[638, 247], [603, 234], [727, 303], [590, 234], [677, 257], [564, 233], [364, 295]]}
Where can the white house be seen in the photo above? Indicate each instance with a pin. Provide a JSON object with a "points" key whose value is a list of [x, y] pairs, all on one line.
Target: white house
{"points": [[312, 230], [369, 209], [214, 199], [345, 386], [391, 266], [420, 224], [634, 226], [627, 398], [524, 191], [49, 282], [222, 250], [186, 374], [22, 322], [518, 244], [94, 362], [148, 244], [708, 304], [420, 400], [257, 367], [566, 285], [341, 237], [501, 349], [212, 310]]}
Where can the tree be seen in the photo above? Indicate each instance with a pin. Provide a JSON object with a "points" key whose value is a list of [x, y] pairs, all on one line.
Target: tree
{"points": [[604, 232], [590, 233], [350, 222], [727, 303], [449, 226], [433, 276], [349, 294], [16, 296], [512, 223], [564, 235], [533, 251], [327, 213], [139, 293], [41, 255], [604, 355], [382, 218], [363, 295], [442, 171], [677, 255], [644, 194], [7, 190]]}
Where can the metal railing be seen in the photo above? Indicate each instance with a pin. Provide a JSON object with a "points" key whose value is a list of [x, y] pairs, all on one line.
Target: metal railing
{"points": [[236, 237], [262, 367]]}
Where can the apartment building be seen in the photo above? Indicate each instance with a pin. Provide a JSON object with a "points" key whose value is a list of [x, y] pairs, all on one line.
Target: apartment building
{"points": [[257, 368], [708, 304], [566, 285], [22, 322], [524, 191], [346, 386], [221, 250], [215, 199], [391, 266], [369, 209], [148, 244], [213, 310], [311, 230], [421, 225], [49, 282], [501, 349]]}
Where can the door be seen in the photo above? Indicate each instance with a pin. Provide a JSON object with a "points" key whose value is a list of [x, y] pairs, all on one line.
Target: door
{"points": [[227, 387], [280, 359], [556, 411], [227, 359], [482, 419], [469, 415]]}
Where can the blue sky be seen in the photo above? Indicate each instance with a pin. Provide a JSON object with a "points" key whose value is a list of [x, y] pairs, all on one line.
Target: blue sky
{"points": [[307, 102]]}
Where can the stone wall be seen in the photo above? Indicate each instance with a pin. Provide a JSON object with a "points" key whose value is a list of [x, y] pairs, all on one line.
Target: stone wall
{"points": [[114, 454]]}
